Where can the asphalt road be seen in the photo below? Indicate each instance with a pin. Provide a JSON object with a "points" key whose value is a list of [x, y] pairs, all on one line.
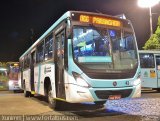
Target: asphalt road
{"points": [[146, 108]]}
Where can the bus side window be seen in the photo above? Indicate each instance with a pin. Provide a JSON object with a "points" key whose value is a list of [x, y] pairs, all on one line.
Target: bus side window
{"points": [[21, 65], [25, 62], [147, 61], [48, 47], [34, 58], [28, 60], [63, 38], [40, 52]]}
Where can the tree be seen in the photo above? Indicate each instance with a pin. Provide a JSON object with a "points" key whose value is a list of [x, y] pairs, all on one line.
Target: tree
{"points": [[154, 41]]}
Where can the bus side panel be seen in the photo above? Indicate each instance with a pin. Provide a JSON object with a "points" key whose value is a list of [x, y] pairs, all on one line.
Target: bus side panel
{"points": [[47, 71], [52, 79], [149, 78], [40, 73], [26, 78], [75, 93], [67, 81], [36, 79]]}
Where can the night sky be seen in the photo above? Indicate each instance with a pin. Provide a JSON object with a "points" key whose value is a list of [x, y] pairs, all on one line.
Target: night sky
{"points": [[24, 21]]}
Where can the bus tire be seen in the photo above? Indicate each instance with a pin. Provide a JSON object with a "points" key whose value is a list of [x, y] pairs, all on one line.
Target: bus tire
{"points": [[158, 89], [53, 103], [100, 103], [31, 95], [26, 93], [14, 91]]}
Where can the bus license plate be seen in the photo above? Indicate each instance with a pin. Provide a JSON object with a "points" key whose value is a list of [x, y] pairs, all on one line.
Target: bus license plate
{"points": [[114, 97]]}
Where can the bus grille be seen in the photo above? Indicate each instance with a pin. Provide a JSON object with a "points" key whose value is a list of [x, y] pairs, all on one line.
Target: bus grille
{"points": [[104, 94]]}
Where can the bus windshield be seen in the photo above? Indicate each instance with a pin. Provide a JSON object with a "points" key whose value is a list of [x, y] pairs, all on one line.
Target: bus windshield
{"points": [[147, 60], [104, 49], [13, 73]]}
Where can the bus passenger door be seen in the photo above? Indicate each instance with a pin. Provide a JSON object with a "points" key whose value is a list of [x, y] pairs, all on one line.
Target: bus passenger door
{"points": [[33, 55], [148, 70], [59, 79], [158, 69]]}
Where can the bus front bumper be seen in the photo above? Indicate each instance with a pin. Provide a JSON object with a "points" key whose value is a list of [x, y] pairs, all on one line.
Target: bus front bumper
{"points": [[81, 94]]}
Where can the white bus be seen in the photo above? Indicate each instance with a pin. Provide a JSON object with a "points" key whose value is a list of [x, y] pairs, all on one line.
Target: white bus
{"points": [[150, 68], [13, 70], [83, 57]]}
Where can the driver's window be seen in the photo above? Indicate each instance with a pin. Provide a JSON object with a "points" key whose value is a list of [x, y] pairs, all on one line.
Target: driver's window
{"points": [[90, 42]]}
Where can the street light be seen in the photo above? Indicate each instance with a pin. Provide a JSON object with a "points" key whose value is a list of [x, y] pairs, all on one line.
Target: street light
{"points": [[148, 4]]}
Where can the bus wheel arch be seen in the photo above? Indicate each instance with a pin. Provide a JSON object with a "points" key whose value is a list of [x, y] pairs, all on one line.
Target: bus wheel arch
{"points": [[47, 87], [53, 103], [47, 84]]}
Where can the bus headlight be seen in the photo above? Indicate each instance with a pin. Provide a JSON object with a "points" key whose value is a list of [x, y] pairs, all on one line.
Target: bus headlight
{"points": [[80, 81], [10, 83], [136, 82]]}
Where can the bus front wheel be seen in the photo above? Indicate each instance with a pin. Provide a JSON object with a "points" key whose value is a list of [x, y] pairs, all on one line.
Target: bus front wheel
{"points": [[53, 103], [100, 103], [158, 89]]}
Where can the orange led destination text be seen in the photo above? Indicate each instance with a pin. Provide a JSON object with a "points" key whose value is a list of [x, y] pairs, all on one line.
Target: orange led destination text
{"points": [[98, 20], [84, 18]]}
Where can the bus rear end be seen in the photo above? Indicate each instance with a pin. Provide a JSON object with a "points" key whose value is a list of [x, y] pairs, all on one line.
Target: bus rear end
{"points": [[13, 77]]}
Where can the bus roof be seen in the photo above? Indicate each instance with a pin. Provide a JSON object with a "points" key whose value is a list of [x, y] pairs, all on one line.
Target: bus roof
{"points": [[64, 16], [149, 51]]}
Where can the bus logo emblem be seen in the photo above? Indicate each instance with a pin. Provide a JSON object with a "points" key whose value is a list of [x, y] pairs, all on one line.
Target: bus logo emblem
{"points": [[115, 83]]}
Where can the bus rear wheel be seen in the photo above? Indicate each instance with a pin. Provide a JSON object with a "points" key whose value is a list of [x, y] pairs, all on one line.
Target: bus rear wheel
{"points": [[53, 103], [26, 93]]}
